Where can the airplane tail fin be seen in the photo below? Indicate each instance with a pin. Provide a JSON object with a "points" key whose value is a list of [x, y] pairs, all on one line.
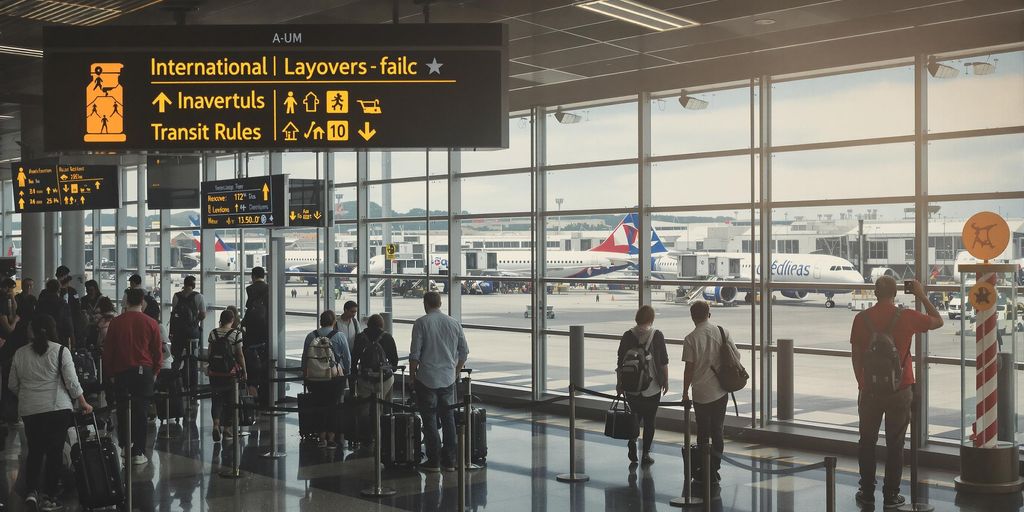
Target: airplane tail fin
{"points": [[623, 239], [219, 246]]}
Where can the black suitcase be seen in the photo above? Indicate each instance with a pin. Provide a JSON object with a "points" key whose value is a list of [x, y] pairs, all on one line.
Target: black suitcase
{"points": [[478, 420], [401, 439], [88, 374], [620, 423], [246, 411], [309, 419], [97, 469], [169, 397]]}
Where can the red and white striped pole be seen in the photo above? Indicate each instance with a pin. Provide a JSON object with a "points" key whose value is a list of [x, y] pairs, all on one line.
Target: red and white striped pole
{"points": [[986, 427]]}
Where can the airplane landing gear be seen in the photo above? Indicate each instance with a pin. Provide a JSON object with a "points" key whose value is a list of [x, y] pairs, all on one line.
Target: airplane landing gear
{"points": [[829, 303], [749, 298]]}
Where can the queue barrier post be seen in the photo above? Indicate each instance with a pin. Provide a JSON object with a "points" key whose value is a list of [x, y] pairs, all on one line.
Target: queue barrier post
{"points": [[572, 476], [462, 467], [165, 433], [830, 484], [707, 476], [235, 453], [270, 393], [687, 499], [273, 453], [378, 490], [128, 453]]}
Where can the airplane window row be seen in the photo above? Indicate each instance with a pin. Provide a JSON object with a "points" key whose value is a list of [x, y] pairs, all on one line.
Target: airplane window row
{"points": [[841, 267]]}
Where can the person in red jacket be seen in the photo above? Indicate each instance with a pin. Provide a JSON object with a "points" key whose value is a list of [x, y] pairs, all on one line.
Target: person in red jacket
{"points": [[132, 355]]}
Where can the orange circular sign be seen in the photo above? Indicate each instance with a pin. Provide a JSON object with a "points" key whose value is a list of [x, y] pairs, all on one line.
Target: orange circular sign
{"points": [[986, 235], [982, 296]]}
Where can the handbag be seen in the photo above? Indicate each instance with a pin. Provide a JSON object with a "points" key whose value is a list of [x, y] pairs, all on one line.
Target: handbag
{"points": [[620, 423]]}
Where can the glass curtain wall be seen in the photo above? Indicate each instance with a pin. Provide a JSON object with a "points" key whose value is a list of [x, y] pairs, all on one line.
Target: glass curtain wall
{"points": [[778, 198]]}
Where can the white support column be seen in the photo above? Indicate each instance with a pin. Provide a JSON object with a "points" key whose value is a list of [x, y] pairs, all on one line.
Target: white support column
{"points": [[326, 162], [50, 245], [164, 260], [765, 231], [72, 247], [276, 276], [921, 267], [539, 295], [140, 219], [208, 247], [120, 237], [362, 230], [645, 231], [455, 257]]}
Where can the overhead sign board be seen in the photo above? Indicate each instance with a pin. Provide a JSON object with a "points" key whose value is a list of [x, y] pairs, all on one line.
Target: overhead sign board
{"points": [[52, 187], [245, 202], [306, 203], [275, 87]]}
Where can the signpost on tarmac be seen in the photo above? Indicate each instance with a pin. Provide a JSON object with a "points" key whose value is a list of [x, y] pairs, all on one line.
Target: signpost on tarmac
{"points": [[244, 87], [53, 187]]}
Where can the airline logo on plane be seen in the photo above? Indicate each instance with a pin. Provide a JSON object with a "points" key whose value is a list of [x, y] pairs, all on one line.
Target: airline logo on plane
{"points": [[787, 268], [623, 239]]}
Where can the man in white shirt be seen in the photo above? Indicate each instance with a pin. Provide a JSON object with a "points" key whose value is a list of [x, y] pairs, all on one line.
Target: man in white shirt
{"points": [[701, 349], [348, 324]]}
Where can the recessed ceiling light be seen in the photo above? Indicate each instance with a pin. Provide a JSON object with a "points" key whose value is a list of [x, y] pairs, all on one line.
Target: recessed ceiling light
{"points": [[764, 21], [637, 14], [24, 52]]}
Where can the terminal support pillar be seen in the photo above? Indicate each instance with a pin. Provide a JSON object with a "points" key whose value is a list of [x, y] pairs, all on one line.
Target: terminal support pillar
{"points": [[32, 248], [49, 245], [784, 374], [276, 281], [72, 247]]}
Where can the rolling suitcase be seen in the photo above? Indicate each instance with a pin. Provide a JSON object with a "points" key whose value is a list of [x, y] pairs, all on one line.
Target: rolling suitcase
{"points": [[246, 411], [401, 439], [88, 375], [169, 396], [97, 469], [478, 422], [309, 424]]}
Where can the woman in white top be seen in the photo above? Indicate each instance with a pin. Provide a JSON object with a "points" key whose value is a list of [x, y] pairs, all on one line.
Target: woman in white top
{"points": [[44, 378]]}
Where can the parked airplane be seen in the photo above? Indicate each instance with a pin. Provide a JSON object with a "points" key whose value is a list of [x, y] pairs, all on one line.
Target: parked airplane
{"points": [[617, 252], [224, 253]]}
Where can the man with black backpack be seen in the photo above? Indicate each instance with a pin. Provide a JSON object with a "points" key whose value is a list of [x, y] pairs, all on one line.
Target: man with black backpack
{"points": [[703, 351], [374, 350], [881, 338], [188, 310], [256, 325]]}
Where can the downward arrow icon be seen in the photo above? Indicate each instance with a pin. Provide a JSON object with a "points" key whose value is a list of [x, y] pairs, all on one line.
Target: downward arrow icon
{"points": [[366, 132]]}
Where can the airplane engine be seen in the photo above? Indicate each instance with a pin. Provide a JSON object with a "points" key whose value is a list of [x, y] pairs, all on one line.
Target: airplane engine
{"points": [[794, 294], [881, 271], [720, 294]]}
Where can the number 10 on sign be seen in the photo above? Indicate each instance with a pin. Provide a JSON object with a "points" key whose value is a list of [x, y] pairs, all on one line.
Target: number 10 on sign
{"points": [[337, 130]]}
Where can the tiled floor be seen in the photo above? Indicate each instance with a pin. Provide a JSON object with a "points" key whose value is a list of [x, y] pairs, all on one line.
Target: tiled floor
{"points": [[525, 454]]}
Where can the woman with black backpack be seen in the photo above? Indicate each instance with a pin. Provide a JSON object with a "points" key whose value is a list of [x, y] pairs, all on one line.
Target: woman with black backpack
{"points": [[225, 361], [643, 376]]}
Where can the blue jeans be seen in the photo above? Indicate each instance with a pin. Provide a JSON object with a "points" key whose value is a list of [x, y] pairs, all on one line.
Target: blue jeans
{"points": [[434, 404]]}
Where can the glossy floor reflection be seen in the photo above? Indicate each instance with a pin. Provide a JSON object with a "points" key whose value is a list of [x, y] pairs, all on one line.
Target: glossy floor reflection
{"points": [[525, 453]]}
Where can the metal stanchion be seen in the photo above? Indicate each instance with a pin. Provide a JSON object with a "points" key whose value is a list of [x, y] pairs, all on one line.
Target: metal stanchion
{"points": [[572, 476], [166, 434], [377, 491], [830, 484], [128, 453], [915, 445], [236, 444], [707, 476], [462, 468], [271, 376], [273, 453], [687, 499], [784, 379]]}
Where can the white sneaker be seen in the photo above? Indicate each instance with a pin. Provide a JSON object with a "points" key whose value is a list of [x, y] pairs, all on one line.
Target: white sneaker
{"points": [[139, 460]]}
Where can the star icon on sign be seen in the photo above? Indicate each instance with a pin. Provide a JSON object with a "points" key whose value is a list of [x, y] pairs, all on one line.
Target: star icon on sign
{"points": [[435, 66]]}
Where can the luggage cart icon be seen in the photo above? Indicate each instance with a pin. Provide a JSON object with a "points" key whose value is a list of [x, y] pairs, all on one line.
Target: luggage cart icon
{"points": [[370, 106]]}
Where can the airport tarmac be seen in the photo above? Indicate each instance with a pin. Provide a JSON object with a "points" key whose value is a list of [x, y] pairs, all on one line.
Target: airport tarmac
{"points": [[825, 388]]}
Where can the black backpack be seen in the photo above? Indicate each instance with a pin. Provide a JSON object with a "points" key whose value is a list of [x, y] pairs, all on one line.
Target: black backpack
{"points": [[373, 358], [152, 307], [634, 372], [883, 370], [221, 360], [732, 376], [185, 315]]}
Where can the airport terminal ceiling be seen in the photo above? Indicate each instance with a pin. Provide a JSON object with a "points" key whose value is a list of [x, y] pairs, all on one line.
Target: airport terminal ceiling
{"points": [[824, 175]]}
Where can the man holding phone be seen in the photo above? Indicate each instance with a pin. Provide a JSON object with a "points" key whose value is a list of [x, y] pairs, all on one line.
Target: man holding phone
{"points": [[876, 331]]}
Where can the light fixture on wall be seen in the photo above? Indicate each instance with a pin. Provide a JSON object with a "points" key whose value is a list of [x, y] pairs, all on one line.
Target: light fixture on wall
{"points": [[938, 70], [637, 14], [567, 117], [690, 103], [981, 68]]}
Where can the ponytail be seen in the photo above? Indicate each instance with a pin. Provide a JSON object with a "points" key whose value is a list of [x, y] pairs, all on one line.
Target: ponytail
{"points": [[44, 330]]}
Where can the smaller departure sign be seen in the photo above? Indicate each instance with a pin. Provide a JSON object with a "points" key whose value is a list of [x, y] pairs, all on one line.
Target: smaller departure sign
{"points": [[245, 202], [306, 203], [53, 187]]}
